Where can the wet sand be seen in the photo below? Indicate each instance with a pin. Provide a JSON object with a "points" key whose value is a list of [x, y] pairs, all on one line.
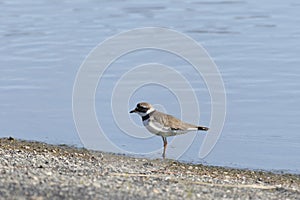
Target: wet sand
{"points": [[34, 170]]}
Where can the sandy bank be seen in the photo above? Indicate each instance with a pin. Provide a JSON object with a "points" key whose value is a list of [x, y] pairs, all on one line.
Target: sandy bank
{"points": [[34, 170]]}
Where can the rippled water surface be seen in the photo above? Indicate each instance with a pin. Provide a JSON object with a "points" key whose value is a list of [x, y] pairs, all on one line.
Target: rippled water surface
{"points": [[255, 45]]}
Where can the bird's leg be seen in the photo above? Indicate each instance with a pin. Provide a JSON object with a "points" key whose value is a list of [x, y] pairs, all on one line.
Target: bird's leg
{"points": [[165, 146]]}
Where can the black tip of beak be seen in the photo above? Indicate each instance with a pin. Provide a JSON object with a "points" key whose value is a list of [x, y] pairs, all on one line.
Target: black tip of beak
{"points": [[132, 111]]}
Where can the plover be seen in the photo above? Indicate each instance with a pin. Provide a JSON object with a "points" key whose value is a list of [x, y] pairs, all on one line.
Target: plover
{"points": [[162, 124]]}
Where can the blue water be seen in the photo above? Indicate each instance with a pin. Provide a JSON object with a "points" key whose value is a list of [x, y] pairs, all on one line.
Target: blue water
{"points": [[255, 45]]}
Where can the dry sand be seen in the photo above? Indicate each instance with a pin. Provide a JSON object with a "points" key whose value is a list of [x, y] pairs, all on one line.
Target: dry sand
{"points": [[34, 170]]}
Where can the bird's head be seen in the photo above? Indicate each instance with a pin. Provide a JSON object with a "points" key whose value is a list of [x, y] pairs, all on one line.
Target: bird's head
{"points": [[143, 109]]}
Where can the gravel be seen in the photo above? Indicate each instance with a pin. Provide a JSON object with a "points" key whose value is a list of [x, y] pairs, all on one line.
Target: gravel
{"points": [[34, 170]]}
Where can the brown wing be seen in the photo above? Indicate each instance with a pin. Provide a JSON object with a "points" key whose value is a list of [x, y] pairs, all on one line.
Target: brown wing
{"points": [[170, 121]]}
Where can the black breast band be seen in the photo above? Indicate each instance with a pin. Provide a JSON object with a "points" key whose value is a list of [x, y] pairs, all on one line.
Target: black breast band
{"points": [[145, 117]]}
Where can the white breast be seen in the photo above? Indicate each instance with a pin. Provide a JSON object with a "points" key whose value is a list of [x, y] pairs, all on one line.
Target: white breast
{"points": [[154, 128], [158, 129]]}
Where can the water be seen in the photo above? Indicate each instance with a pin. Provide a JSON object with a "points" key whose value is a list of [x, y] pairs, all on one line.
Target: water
{"points": [[254, 44]]}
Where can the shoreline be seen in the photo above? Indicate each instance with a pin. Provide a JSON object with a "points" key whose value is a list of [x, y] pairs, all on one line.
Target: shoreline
{"points": [[38, 170]]}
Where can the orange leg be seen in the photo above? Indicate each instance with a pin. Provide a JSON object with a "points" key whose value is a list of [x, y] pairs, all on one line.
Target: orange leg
{"points": [[165, 146]]}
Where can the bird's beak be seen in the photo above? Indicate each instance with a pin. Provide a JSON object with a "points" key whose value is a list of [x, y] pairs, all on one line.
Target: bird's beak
{"points": [[132, 111]]}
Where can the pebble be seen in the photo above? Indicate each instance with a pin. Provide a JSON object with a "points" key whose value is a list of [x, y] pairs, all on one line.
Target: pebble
{"points": [[42, 171]]}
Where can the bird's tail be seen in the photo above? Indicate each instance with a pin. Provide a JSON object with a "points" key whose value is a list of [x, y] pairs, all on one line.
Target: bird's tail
{"points": [[203, 128]]}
